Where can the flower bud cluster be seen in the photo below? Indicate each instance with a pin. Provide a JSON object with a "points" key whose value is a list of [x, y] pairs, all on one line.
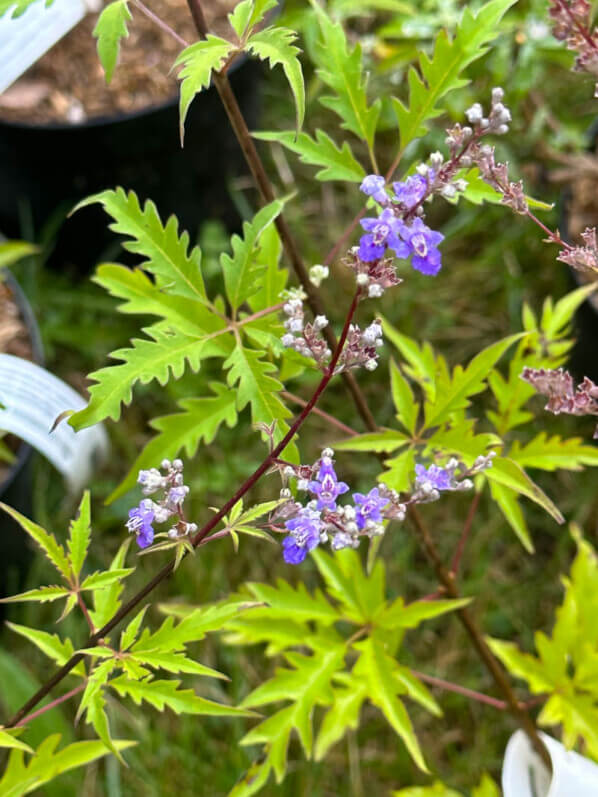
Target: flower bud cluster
{"points": [[169, 482], [563, 396], [306, 339], [322, 520], [361, 348], [572, 23], [498, 119], [317, 274], [582, 258], [497, 175]]}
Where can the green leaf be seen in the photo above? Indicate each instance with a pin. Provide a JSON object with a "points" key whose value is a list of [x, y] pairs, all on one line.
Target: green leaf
{"points": [[552, 453], [42, 594], [336, 163], [521, 665], [198, 422], [442, 73], [276, 45], [51, 645], [466, 382], [177, 663], [421, 360], [166, 693], [245, 266], [385, 440], [46, 764], [166, 255], [286, 602], [198, 62], [510, 474], [342, 715], [508, 504], [79, 536], [247, 14], [274, 279], [111, 27], [101, 580], [8, 740], [437, 789], [377, 670], [166, 353], [361, 595], [397, 615], [46, 541], [340, 68], [18, 6], [403, 398], [107, 601], [487, 788], [254, 386], [400, 471], [13, 251]]}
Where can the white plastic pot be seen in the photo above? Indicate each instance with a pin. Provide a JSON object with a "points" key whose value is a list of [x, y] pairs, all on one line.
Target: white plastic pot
{"points": [[525, 775]]}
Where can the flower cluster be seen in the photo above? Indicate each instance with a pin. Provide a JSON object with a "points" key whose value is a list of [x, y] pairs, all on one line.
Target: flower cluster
{"points": [[361, 347], [323, 520], [305, 338], [562, 395], [572, 23], [169, 482], [582, 258]]}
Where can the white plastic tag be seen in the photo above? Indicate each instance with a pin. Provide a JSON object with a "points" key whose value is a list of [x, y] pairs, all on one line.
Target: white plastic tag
{"points": [[25, 39], [33, 399]]}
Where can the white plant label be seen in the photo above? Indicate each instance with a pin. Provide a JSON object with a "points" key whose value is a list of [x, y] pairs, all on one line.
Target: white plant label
{"points": [[25, 39], [33, 399]]}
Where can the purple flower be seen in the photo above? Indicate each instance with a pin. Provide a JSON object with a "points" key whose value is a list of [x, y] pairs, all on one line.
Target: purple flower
{"points": [[383, 232], [368, 507], [422, 242], [140, 522], [327, 487], [305, 536], [413, 190], [373, 185], [434, 478]]}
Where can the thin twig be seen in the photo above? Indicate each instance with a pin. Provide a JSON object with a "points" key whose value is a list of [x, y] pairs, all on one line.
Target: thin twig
{"points": [[330, 418], [465, 534], [160, 23], [85, 610], [67, 696], [461, 690]]}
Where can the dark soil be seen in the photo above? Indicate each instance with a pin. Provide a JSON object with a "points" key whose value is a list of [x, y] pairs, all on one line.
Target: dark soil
{"points": [[67, 84]]}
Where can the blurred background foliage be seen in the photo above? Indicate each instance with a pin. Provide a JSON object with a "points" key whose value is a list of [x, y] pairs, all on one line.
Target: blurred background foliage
{"points": [[493, 262]]}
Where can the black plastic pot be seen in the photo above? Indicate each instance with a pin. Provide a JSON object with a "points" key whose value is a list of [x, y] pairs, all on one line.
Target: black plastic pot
{"points": [[45, 170], [15, 490]]}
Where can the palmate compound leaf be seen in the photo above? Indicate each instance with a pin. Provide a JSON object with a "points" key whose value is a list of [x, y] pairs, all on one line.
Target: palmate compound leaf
{"points": [[110, 28], [307, 684], [198, 423], [341, 68], [23, 777], [275, 44], [361, 595], [198, 62], [552, 453], [166, 255], [334, 162], [163, 353], [242, 270], [443, 72]]}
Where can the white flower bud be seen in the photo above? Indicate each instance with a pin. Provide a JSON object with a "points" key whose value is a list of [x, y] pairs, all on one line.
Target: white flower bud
{"points": [[466, 161], [497, 94], [371, 365], [302, 484], [467, 132], [484, 123], [362, 279], [165, 464], [328, 453], [351, 528], [173, 533], [466, 484], [285, 493], [460, 184], [475, 114], [320, 322], [449, 191], [317, 274], [436, 159], [289, 471], [422, 168], [288, 341], [501, 130], [349, 513], [295, 325], [375, 291]]}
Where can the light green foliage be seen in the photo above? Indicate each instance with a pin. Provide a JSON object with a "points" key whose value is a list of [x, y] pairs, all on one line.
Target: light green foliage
{"points": [[247, 14], [564, 666], [239, 522], [111, 27], [198, 61], [433, 408], [443, 72], [486, 788], [275, 44], [339, 650], [13, 251], [19, 6], [190, 329], [9, 741], [23, 777], [340, 67], [336, 163]]}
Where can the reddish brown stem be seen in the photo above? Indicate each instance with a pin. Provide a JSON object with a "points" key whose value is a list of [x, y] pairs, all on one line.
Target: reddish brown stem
{"points": [[329, 418], [67, 696], [160, 23], [465, 534], [582, 31], [95, 638], [85, 610], [462, 690]]}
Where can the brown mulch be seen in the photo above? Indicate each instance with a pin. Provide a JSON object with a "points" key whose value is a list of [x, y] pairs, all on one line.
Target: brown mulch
{"points": [[67, 84], [14, 336]]}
